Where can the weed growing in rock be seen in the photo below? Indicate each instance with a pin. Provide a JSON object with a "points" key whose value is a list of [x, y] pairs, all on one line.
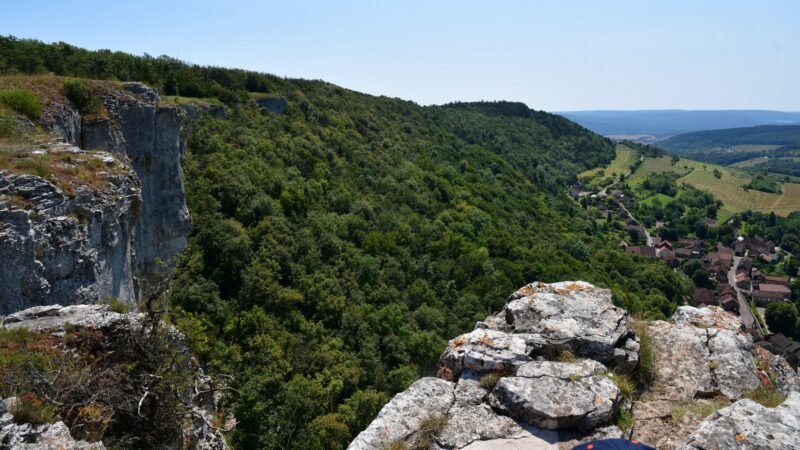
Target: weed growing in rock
{"points": [[769, 397]]}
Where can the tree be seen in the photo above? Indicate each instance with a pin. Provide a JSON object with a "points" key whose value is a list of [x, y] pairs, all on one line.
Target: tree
{"points": [[781, 317]]}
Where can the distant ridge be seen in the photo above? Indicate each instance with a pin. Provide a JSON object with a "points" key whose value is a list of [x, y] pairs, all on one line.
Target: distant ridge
{"points": [[655, 125]]}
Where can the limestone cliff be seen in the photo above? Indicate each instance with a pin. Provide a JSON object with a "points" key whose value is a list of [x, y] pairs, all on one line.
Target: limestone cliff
{"points": [[62, 242], [73, 231], [136, 125], [549, 372]]}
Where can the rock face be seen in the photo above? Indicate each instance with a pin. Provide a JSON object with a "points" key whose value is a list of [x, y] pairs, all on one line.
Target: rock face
{"points": [[99, 241], [539, 321], [748, 425], [72, 249], [149, 134], [704, 359], [499, 390], [117, 329]]}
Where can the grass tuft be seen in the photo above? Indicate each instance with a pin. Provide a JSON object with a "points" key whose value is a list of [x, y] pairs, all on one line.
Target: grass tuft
{"points": [[769, 397]]}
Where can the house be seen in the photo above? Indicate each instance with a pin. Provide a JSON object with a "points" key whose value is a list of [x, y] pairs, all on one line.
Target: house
{"points": [[684, 253], [672, 262], [685, 242], [649, 252], [769, 259], [656, 240], [710, 222], [779, 344], [767, 293], [729, 303], [783, 281], [704, 297], [660, 224], [664, 253], [622, 244], [755, 245], [742, 281], [664, 244], [739, 248], [745, 266]]}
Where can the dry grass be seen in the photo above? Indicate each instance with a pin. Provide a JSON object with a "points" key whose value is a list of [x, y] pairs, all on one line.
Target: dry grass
{"points": [[703, 407], [66, 169]]}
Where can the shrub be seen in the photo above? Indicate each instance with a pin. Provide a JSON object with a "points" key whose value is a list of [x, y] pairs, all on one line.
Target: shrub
{"points": [[624, 419], [489, 381], [80, 94], [30, 409], [22, 101], [646, 370], [116, 305]]}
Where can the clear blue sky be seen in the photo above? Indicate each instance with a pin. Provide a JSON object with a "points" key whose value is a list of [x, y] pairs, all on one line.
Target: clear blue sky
{"points": [[554, 55]]}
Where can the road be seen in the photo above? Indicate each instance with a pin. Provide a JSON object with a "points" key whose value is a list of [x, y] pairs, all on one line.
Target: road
{"points": [[746, 315], [646, 233]]}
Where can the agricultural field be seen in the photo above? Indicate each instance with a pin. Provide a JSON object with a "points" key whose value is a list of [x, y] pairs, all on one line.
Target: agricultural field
{"points": [[621, 164], [728, 188]]}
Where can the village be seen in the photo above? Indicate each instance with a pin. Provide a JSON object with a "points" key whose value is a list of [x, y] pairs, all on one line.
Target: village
{"points": [[735, 283]]}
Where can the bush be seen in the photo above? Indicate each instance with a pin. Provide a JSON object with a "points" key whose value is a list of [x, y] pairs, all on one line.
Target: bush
{"points": [[22, 101], [80, 94], [30, 409], [116, 305]]}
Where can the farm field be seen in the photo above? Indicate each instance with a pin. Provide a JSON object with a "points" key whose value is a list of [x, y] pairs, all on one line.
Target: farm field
{"points": [[728, 188], [619, 166]]}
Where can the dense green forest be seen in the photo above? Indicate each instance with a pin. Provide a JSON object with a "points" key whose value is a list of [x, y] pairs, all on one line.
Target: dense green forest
{"points": [[336, 247]]}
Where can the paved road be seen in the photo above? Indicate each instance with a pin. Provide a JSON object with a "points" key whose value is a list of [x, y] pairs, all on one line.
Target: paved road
{"points": [[748, 319]]}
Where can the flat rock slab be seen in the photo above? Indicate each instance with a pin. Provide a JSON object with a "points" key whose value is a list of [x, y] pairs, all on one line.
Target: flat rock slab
{"points": [[748, 425], [559, 396]]}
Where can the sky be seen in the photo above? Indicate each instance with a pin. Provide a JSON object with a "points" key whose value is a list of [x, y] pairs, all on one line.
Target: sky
{"points": [[556, 55]]}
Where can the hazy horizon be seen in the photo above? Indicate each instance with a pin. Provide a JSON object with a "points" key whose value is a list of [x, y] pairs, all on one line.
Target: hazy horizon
{"points": [[570, 56]]}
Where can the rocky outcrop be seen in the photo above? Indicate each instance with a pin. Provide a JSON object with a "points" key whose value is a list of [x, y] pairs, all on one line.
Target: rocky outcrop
{"points": [[542, 374], [704, 360], [748, 425], [37, 437], [500, 388], [539, 321], [75, 248], [150, 135], [117, 331]]}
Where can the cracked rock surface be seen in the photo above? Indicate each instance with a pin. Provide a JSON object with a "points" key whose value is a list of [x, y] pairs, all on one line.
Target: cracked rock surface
{"points": [[539, 321], [748, 425], [703, 358]]}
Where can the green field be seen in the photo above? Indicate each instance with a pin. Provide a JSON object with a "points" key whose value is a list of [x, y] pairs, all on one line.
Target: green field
{"points": [[728, 188], [619, 166], [663, 199]]}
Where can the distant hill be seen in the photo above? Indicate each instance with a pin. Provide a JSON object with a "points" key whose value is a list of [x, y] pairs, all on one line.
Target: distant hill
{"points": [[654, 125], [768, 148]]}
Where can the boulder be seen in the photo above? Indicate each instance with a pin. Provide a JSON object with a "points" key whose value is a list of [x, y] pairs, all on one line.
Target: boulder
{"points": [[541, 320], [702, 352], [559, 395], [748, 425]]}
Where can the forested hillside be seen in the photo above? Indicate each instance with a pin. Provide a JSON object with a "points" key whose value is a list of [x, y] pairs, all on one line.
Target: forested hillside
{"points": [[337, 245]]}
